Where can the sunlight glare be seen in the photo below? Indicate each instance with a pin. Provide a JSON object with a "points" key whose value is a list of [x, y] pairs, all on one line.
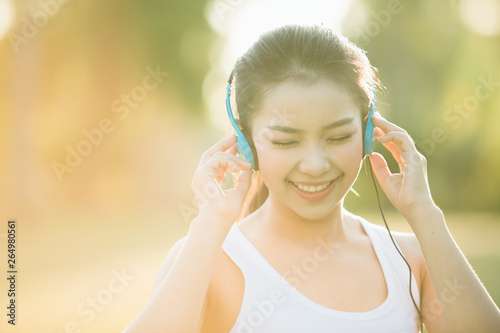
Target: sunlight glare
{"points": [[481, 16], [6, 16], [240, 22]]}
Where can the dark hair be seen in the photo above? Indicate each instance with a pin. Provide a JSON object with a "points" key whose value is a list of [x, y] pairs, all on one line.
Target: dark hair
{"points": [[304, 54]]}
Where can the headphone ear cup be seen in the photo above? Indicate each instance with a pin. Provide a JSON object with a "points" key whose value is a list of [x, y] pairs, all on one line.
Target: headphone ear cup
{"points": [[244, 149], [242, 146], [251, 149], [368, 142]]}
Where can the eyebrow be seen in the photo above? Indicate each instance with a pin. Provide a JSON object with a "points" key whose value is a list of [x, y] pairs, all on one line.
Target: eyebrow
{"points": [[333, 125]]}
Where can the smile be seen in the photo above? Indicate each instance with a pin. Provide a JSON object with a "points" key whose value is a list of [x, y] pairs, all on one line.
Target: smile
{"points": [[312, 188]]}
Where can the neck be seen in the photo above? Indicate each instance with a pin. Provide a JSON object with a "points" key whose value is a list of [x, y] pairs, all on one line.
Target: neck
{"points": [[281, 222]]}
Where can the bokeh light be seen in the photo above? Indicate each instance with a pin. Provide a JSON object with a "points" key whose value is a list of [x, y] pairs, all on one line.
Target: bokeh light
{"points": [[481, 16], [6, 15]]}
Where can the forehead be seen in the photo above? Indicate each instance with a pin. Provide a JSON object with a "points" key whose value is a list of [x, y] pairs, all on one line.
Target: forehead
{"points": [[301, 105]]}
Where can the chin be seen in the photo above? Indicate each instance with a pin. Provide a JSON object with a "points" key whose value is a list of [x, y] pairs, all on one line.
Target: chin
{"points": [[314, 212]]}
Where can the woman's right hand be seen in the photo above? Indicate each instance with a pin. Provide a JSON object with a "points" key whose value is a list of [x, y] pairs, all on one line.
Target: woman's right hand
{"points": [[223, 204]]}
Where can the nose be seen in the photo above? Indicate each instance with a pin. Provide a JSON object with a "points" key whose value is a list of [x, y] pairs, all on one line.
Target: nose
{"points": [[314, 162]]}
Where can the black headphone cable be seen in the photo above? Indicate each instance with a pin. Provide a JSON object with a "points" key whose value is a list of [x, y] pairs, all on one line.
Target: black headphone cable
{"points": [[393, 242]]}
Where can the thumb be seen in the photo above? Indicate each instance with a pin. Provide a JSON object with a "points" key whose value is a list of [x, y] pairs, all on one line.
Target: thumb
{"points": [[243, 181], [240, 190], [242, 185], [380, 167]]}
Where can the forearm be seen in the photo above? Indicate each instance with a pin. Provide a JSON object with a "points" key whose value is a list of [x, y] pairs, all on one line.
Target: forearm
{"points": [[466, 305], [177, 304]]}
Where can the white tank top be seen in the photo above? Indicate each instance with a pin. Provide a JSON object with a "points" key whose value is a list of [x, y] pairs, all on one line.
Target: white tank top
{"points": [[272, 305]]}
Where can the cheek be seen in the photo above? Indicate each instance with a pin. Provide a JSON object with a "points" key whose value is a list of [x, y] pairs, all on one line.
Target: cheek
{"points": [[353, 149], [351, 153], [271, 163], [351, 156], [275, 166]]}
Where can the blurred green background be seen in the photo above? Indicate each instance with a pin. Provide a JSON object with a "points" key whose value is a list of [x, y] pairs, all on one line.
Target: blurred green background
{"points": [[106, 107]]}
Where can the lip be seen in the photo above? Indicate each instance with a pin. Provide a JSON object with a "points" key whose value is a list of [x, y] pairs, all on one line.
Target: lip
{"points": [[314, 196]]}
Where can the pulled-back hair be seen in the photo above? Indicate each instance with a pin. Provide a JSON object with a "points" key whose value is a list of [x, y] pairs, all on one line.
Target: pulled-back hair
{"points": [[304, 54]]}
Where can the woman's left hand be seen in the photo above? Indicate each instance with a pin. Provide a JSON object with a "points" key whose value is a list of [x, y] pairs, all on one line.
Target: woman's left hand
{"points": [[408, 190]]}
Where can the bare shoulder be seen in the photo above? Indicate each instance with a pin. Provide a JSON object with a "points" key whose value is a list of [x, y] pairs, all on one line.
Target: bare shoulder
{"points": [[408, 243], [168, 261]]}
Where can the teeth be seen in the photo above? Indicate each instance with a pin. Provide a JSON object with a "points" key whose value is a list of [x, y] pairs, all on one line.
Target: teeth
{"points": [[312, 189]]}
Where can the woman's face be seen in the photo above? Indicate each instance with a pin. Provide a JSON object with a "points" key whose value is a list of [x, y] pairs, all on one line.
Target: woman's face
{"points": [[308, 140]]}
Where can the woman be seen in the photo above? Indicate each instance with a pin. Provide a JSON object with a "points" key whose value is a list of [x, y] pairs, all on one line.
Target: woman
{"points": [[298, 261]]}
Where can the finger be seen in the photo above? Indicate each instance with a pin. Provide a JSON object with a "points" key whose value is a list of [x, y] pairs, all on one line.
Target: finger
{"points": [[385, 125], [217, 165], [243, 184], [221, 172], [240, 190], [232, 150], [402, 140], [393, 149], [235, 158], [378, 132], [221, 146], [380, 167], [243, 180], [217, 170], [403, 148]]}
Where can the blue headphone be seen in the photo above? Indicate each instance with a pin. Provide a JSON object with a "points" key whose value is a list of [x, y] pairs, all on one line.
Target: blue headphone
{"points": [[243, 147], [369, 141]]}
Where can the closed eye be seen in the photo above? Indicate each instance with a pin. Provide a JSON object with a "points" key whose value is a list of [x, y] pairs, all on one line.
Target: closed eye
{"points": [[340, 139], [284, 143], [329, 140]]}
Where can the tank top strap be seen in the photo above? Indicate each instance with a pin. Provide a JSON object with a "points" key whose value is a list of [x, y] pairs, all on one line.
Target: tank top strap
{"points": [[244, 254], [237, 248], [381, 240]]}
